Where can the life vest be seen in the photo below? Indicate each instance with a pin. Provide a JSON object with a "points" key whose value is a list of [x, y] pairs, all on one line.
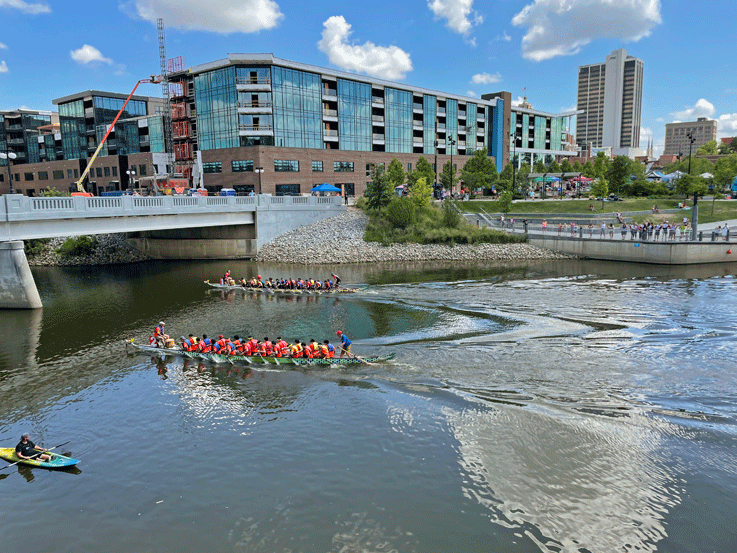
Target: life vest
{"points": [[206, 345], [331, 351], [221, 345], [281, 348], [296, 350], [267, 348], [324, 351], [253, 344], [237, 346], [315, 350], [159, 331]]}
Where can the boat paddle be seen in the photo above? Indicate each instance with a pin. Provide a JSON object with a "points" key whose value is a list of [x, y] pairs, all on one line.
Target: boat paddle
{"points": [[34, 456], [352, 356]]}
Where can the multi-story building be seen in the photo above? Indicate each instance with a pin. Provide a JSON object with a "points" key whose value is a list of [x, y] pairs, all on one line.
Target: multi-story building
{"points": [[677, 139], [256, 122], [610, 97]]}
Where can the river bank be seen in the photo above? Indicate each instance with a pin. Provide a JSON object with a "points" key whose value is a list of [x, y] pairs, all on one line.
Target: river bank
{"points": [[340, 240], [336, 240]]}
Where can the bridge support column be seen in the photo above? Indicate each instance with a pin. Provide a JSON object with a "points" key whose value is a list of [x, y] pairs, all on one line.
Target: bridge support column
{"points": [[17, 287]]}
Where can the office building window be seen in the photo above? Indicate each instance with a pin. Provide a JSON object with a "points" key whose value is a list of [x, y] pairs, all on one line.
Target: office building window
{"points": [[317, 166], [242, 166], [343, 166], [43, 175], [28, 176], [76, 173], [297, 101], [287, 189], [286, 165], [409, 167], [215, 167], [354, 116], [58, 175], [107, 171], [398, 124], [115, 171], [69, 173], [349, 187], [98, 170], [142, 170]]}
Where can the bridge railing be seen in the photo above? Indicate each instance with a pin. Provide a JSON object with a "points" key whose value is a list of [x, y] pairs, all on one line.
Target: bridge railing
{"points": [[16, 207]]}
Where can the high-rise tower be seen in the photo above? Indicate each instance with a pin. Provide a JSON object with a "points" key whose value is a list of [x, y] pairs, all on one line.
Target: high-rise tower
{"points": [[610, 94]]}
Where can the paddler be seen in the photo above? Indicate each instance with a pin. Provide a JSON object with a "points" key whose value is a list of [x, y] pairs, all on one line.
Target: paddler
{"points": [[336, 279], [281, 349], [296, 349], [160, 335], [26, 449], [345, 344], [315, 349], [328, 349]]}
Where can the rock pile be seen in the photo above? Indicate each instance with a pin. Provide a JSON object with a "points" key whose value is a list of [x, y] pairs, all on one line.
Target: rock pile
{"points": [[112, 249], [340, 240]]}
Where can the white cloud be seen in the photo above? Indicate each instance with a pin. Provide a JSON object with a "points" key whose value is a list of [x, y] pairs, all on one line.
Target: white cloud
{"points": [[504, 37], [727, 124], [389, 62], [25, 7], [3, 46], [219, 16], [486, 78], [472, 94], [518, 101], [3, 67], [563, 27], [459, 14], [703, 108], [89, 54]]}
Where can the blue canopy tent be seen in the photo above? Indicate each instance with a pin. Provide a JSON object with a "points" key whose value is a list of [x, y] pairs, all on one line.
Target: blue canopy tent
{"points": [[325, 187]]}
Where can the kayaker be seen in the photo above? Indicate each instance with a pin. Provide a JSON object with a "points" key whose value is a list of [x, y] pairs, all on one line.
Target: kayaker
{"points": [[345, 344], [26, 449]]}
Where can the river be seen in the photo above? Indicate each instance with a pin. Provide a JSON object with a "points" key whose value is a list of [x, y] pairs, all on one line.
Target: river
{"points": [[571, 406]]}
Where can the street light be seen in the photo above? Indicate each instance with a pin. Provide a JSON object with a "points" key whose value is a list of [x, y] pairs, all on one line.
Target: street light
{"points": [[131, 178], [435, 186], [259, 170], [452, 143], [695, 210], [514, 164], [691, 140], [9, 155]]}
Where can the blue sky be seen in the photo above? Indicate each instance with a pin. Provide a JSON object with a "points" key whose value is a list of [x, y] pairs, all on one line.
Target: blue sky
{"points": [[50, 48]]}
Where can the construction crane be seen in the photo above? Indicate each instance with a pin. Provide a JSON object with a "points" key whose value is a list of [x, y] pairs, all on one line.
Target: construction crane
{"points": [[80, 188]]}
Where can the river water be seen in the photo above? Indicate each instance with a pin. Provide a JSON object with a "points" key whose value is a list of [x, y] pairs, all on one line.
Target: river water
{"points": [[553, 406]]}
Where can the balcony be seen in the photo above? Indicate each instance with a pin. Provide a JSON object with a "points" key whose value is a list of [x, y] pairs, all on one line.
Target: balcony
{"points": [[377, 119], [254, 107], [329, 93], [252, 83], [255, 130], [329, 132], [14, 128], [16, 141]]}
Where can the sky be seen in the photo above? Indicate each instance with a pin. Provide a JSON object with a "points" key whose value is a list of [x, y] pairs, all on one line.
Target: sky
{"points": [[532, 48]]}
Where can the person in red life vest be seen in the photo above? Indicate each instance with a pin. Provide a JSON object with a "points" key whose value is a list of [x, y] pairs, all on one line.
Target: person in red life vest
{"points": [[281, 348], [267, 348], [329, 349], [185, 344], [194, 343], [295, 350], [315, 349], [253, 344], [160, 335], [336, 279], [205, 344], [219, 345], [236, 347]]}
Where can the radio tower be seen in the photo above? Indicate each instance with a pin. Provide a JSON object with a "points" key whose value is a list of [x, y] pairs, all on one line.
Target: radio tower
{"points": [[168, 139]]}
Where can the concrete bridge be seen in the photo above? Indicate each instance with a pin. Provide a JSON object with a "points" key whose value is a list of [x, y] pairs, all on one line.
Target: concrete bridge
{"points": [[164, 227]]}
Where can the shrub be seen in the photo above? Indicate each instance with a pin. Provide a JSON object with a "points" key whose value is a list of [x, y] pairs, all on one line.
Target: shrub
{"points": [[36, 246], [75, 247], [451, 216], [401, 212], [361, 202]]}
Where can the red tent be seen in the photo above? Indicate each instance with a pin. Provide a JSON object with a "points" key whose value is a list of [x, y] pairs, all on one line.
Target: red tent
{"points": [[581, 179]]}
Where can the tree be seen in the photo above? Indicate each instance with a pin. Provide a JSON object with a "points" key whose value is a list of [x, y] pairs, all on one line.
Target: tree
{"points": [[50, 192], [505, 201], [539, 167], [554, 167], [689, 185], [479, 171], [577, 167], [421, 193], [522, 173], [618, 173], [445, 176], [424, 170], [600, 189], [506, 174], [379, 191], [588, 170], [566, 167], [395, 173], [601, 164], [708, 149], [725, 170]]}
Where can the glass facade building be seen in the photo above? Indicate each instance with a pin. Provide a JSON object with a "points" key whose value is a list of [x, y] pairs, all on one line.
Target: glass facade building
{"points": [[398, 114], [354, 116], [297, 108]]}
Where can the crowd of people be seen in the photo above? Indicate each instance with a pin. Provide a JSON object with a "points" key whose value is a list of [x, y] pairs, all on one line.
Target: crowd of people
{"points": [[333, 283], [645, 231], [251, 347]]}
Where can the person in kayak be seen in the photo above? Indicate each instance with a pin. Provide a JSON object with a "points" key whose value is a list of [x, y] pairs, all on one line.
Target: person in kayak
{"points": [[26, 449], [345, 344]]}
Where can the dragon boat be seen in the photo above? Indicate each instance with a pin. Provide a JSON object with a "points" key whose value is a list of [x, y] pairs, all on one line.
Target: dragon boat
{"points": [[256, 359], [285, 291]]}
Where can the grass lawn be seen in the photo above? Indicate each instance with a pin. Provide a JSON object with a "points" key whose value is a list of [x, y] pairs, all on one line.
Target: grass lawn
{"points": [[723, 209]]}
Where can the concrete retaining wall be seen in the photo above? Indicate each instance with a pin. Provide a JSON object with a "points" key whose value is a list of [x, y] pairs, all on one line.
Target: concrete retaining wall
{"points": [[661, 253], [17, 287]]}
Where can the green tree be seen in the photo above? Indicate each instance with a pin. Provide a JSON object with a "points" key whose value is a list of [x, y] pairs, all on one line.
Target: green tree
{"points": [[421, 193], [601, 164], [479, 171], [379, 191], [600, 189], [725, 171], [505, 201], [566, 166], [618, 174], [400, 212], [395, 173], [689, 185], [51, 192], [506, 174], [708, 149], [424, 170], [539, 167], [554, 167], [445, 176], [577, 167], [588, 170], [522, 175]]}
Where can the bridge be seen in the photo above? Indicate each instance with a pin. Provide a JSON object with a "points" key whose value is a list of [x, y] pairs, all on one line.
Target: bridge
{"points": [[164, 227]]}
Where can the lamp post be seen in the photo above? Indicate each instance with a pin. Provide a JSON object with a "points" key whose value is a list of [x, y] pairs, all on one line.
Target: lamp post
{"points": [[7, 154], [695, 209], [452, 143], [514, 164], [435, 187], [131, 178], [259, 170]]}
